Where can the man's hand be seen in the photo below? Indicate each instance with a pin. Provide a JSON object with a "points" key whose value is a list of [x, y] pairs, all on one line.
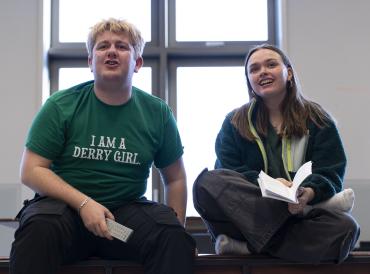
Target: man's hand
{"points": [[305, 195], [93, 216], [36, 174]]}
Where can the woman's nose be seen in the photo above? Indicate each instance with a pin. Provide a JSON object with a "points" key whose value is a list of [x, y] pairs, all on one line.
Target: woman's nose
{"points": [[263, 70]]}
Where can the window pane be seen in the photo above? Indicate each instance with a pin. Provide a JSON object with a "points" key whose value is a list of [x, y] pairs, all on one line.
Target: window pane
{"points": [[204, 96], [69, 77], [77, 16], [231, 20]]}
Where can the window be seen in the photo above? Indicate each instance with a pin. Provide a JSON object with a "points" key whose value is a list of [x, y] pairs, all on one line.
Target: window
{"points": [[204, 96], [228, 20], [71, 11], [195, 65]]}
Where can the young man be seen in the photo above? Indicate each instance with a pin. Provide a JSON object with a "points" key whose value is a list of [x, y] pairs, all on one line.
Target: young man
{"points": [[88, 156]]}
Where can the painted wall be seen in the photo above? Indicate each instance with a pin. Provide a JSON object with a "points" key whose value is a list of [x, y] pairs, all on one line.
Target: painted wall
{"points": [[20, 78], [20, 93], [328, 42]]}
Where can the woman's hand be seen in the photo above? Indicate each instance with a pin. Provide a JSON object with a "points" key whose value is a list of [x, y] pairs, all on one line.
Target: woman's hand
{"points": [[305, 195], [285, 182]]}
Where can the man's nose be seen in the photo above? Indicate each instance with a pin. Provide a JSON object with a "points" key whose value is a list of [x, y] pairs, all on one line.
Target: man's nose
{"points": [[112, 51]]}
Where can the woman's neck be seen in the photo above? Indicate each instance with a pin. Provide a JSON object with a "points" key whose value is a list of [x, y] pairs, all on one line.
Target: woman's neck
{"points": [[275, 115]]}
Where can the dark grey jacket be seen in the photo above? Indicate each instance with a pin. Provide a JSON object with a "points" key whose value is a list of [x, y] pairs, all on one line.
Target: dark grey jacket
{"points": [[322, 146]]}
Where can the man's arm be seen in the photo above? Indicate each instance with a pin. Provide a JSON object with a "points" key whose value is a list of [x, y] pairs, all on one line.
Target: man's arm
{"points": [[36, 174], [174, 178]]}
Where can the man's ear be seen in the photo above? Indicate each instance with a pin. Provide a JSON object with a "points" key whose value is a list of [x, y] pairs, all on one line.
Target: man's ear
{"points": [[89, 62], [139, 63]]}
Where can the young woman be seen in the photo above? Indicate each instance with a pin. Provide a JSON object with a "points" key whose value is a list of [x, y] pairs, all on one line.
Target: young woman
{"points": [[277, 131]]}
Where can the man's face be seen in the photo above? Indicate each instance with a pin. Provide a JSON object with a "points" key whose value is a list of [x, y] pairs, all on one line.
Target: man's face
{"points": [[113, 58]]}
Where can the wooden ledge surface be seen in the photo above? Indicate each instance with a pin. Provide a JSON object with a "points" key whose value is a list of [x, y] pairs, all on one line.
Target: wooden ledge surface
{"points": [[214, 260]]}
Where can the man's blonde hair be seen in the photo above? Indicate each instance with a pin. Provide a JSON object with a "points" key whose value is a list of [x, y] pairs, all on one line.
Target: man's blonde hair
{"points": [[116, 26]]}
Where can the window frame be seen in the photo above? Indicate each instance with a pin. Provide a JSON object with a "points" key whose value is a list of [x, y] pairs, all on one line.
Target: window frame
{"points": [[223, 46]]}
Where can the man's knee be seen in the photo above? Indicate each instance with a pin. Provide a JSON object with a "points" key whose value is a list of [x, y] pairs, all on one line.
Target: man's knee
{"points": [[35, 248], [35, 233], [175, 238], [173, 251]]}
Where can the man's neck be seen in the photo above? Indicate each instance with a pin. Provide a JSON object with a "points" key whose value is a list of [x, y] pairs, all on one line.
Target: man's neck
{"points": [[113, 94]]}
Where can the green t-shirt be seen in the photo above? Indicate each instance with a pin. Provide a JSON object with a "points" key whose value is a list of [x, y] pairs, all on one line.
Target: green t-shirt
{"points": [[105, 151]]}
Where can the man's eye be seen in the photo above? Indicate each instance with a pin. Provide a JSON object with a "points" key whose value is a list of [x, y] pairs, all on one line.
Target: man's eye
{"points": [[102, 46], [123, 47]]}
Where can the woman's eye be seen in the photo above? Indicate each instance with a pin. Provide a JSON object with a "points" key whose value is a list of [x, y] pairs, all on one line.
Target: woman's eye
{"points": [[253, 70]]}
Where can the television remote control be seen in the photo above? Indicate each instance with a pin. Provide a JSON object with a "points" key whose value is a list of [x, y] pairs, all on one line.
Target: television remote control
{"points": [[118, 231]]}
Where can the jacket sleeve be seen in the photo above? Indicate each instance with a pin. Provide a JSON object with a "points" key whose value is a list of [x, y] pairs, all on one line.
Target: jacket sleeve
{"points": [[325, 150], [228, 151]]}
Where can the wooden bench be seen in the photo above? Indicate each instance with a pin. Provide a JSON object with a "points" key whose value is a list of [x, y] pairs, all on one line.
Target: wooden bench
{"points": [[357, 263]]}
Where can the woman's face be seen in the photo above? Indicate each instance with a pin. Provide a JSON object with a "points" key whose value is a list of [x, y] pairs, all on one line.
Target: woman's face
{"points": [[268, 74]]}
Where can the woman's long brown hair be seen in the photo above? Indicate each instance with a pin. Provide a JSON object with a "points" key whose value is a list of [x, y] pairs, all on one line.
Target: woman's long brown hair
{"points": [[296, 109]]}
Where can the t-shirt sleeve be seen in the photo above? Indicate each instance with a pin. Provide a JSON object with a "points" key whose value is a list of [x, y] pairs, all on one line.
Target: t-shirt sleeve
{"points": [[171, 147], [46, 135]]}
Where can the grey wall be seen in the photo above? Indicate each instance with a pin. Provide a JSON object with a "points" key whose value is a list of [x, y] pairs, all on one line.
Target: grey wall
{"points": [[327, 40], [20, 78], [20, 93]]}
